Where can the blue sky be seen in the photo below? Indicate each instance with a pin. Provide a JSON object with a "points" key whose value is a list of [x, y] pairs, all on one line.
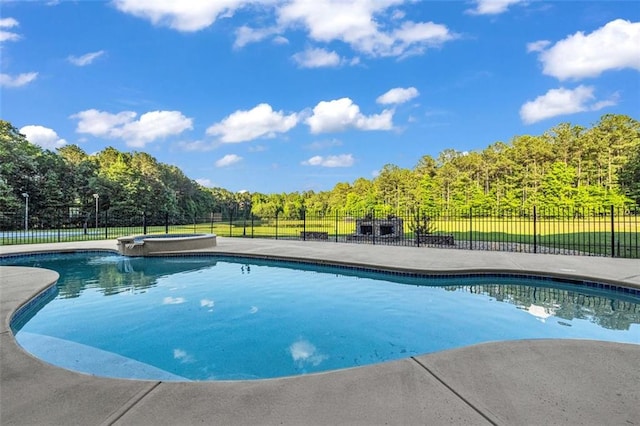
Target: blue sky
{"points": [[281, 96]]}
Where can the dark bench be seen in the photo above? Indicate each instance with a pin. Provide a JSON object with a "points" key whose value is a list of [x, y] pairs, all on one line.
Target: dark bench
{"points": [[313, 235], [444, 240]]}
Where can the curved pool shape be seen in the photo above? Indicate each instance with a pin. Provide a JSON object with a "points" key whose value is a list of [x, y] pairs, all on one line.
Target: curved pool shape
{"points": [[149, 245], [225, 318]]}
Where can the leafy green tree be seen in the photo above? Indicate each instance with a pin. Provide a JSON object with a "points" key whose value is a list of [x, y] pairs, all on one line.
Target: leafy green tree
{"points": [[338, 197], [426, 166], [395, 190], [617, 136], [317, 203], [532, 154], [630, 177], [558, 188], [81, 180], [18, 167], [362, 197]]}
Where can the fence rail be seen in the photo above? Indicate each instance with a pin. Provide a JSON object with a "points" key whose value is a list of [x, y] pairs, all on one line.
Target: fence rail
{"points": [[606, 231]]}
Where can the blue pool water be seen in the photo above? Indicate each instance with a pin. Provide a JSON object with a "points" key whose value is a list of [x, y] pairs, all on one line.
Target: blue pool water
{"points": [[224, 318]]}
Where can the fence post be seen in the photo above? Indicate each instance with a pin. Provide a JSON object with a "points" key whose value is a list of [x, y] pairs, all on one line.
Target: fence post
{"points": [[470, 228], [60, 222], [166, 222], [276, 224], [373, 228], [535, 231], [230, 220], [304, 225], [106, 226], [251, 224], [144, 223], [613, 234], [211, 231], [244, 223], [336, 225], [417, 223]]}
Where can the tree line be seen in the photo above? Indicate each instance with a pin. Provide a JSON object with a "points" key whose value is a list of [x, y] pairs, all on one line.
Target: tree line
{"points": [[127, 184], [568, 166]]}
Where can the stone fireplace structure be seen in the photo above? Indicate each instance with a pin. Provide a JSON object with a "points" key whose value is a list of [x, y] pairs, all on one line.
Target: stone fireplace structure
{"points": [[384, 229]]}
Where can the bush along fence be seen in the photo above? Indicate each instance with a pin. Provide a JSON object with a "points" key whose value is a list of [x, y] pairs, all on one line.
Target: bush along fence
{"points": [[607, 231]]}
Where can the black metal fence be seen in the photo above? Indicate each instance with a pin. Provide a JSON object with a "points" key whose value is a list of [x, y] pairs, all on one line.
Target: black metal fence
{"points": [[604, 231]]}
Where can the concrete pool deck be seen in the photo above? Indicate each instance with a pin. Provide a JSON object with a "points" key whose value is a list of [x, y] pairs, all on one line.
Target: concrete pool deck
{"points": [[529, 382]]}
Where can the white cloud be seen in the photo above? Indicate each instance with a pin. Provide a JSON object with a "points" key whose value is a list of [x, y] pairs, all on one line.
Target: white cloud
{"points": [[102, 124], [374, 27], [414, 37], [354, 23], [205, 182], [613, 100], [343, 160], [537, 46], [398, 96], [19, 80], [184, 15], [43, 136], [155, 125], [280, 40], [317, 145], [86, 59], [397, 15], [261, 121], [246, 35], [562, 102], [8, 35], [257, 148], [317, 58], [192, 146], [492, 7], [343, 114], [136, 133], [613, 46], [8, 23], [228, 160]]}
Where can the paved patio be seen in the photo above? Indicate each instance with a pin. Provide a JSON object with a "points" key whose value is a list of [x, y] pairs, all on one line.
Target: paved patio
{"points": [[520, 382]]}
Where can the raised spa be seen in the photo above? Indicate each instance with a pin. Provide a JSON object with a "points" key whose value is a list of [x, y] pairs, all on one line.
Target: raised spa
{"points": [[149, 245]]}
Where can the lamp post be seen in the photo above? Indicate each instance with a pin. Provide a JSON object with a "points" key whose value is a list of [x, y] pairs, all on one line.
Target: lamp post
{"points": [[97, 197], [26, 211], [244, 205]]}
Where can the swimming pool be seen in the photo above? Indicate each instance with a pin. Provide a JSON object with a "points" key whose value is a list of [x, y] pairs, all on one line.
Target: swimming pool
{"points": [[224, 318]]}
